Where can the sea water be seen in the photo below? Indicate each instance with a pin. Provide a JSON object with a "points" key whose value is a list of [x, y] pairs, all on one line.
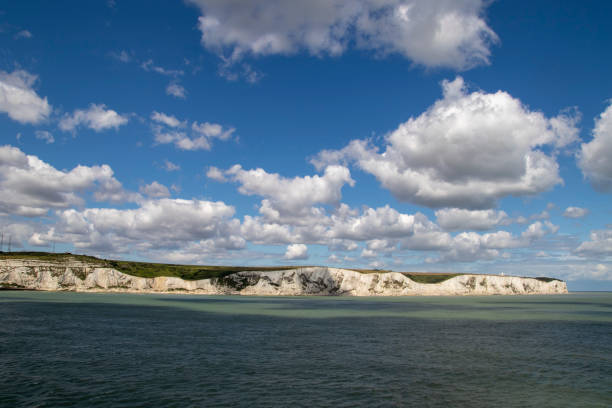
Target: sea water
{"points": [[60, 349]]}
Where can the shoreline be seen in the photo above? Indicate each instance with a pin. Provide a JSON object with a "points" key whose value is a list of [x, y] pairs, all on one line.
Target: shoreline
{"points": [[78, 276]]}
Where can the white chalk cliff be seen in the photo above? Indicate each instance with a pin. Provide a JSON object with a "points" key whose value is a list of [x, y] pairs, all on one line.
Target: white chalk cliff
{"points": [[84, 277]]}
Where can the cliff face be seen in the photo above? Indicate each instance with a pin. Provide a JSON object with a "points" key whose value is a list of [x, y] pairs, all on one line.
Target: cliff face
{"points": [[77, 276]]}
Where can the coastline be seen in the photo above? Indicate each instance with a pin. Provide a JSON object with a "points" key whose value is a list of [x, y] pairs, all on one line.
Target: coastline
{"points": [[305, 281]]}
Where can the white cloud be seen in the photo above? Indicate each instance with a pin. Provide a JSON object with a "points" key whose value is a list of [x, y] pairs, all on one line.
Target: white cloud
{"points": [[599, 245], [122, 56], [19, 100], [168, 120], [174, 88], [23, 34], [149, 65], [467, 247], [216, 174], [336, 244], [376, 265], [37, 239], [44, 135], [255, 230], [169, 166], [501, 240], [454, 219], [368, 253], [177, 90], [430, 33], [379, 247], [296, 251], [544, 215], [594, 157], [575, 212], [160, 223], [96, 117], [471, 246], [111, 190], [334, 259], [380, 223], [538, 230], [155, 190], [30, 187], [466, 151], [182, 141], [17, 232], [212, 130], [382, 245], [290, 196], [591, 271], [166, 130]]}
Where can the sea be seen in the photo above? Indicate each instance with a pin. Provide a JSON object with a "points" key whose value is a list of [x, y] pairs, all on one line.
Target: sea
{"points": [[64, 349]]}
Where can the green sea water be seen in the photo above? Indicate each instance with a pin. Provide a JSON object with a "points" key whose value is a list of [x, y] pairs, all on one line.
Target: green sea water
{"points": [[136, 350]]}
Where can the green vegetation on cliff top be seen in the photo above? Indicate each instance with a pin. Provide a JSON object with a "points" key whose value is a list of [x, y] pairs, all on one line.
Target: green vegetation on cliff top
{"points": [[195, 272]]}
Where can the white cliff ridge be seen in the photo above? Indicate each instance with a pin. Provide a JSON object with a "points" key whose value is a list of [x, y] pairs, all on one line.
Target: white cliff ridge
{"points": [[86, 277]]}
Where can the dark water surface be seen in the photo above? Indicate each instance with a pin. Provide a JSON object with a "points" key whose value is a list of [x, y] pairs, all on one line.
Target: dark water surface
{"points": [[124, 350]]}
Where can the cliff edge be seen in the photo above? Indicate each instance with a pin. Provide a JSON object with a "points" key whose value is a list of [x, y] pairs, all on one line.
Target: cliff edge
{"points": [[90, 277]]}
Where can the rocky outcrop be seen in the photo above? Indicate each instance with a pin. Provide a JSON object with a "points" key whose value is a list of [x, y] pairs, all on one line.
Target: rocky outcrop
{"points": [[80, 277]]}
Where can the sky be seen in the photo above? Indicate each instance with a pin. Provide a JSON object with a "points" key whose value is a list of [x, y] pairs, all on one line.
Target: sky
{"points": [[408, 135]]}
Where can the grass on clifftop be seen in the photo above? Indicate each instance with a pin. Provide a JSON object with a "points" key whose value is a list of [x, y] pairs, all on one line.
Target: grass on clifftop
{"points": [[420, 277], [144, 269], [187, 272], [196, 272], [52, 257]]}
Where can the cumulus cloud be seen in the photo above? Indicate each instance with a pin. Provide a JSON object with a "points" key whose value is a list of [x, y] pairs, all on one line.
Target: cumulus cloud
{"points": [[466, 151], [212, 130], [376, 223], [289, 196], [158, 223], [155, 190], [384, 231], [296, 251], [467, 247], [177, 90], [454, 219], [30, 187], [19, 100], [168, 120], [216, 174], [591, 271], [575, 212], [38, 239], [594, 157], [17, 231], [168, 129], [430, 33], [599, 245], [378, 247], [44, 135], [471, 246], [96, 117], [169, 166], [333, 259], [259, 232], [538, 230]]}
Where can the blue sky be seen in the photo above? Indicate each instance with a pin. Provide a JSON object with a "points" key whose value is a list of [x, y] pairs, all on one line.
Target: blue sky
{"points": [[468, 136]]}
